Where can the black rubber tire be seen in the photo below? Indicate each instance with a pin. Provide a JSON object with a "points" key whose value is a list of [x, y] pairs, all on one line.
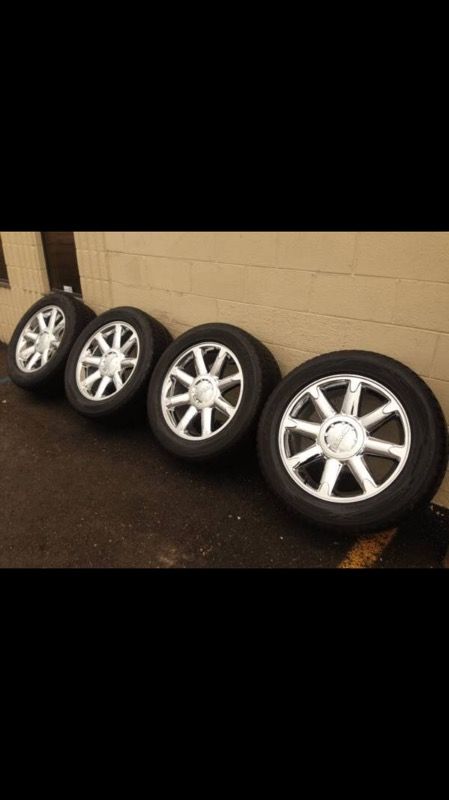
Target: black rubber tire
{"points": [[77, 316], [414, 487], [261, 374], [153, 339]]}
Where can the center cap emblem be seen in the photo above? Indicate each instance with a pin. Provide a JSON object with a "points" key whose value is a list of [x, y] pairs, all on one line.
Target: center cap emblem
{"points": [[109, 364], [43, 342], [203, 392], [341, 437]]}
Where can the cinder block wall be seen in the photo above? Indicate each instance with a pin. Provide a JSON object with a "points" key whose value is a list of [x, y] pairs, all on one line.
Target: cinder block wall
{"points": [[27, 275], [301, 293]]}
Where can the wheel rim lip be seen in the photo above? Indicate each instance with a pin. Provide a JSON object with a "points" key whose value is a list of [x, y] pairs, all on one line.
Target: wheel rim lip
{"points": [[328, 381], [79, 363], [166, 385], [27, 328]]}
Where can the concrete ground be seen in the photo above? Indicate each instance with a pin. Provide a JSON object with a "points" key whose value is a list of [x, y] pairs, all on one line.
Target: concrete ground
{"points": [[75, 493]]}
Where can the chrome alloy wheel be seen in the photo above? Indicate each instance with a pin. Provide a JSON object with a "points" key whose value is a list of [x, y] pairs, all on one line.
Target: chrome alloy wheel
{"points": [[107, 360], [40, 339], [326, 438], [202, 391]]}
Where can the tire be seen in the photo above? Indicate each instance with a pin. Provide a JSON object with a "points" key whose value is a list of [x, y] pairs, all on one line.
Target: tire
{"points": [[124, 367], [71, 316], [211, 432], [404, 470]]}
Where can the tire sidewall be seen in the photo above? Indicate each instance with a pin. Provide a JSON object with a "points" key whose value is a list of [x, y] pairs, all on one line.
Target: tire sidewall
{"points": [[415, 483], [239, 428]]}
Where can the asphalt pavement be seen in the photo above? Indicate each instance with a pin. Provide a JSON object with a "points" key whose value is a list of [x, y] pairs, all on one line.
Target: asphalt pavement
{"points": [[78, 493]]}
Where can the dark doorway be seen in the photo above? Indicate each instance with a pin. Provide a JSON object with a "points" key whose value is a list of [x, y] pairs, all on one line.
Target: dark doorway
{"points": [[3, 270], [62, 264]]}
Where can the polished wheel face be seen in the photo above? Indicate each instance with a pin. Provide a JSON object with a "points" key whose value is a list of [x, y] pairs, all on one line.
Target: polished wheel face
{"points": [[202, 391], [327, 442], [40, 339], [107, 361]]}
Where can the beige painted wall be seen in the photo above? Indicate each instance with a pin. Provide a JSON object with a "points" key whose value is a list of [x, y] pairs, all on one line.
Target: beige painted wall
{"points": [[301, 293]]}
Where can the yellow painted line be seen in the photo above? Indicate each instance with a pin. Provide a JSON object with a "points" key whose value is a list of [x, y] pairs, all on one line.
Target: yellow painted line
{"points": [[365, 552]]}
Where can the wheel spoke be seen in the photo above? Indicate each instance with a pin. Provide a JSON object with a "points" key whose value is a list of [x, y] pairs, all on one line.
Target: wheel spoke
{"points": [[206, 421], [126, 347], [351, 400], [362, 474], [45, 355], [305, 456], [378, 447], [33, 360], [41, 321], [102, 342], [118, 383], [310, 429], [91, 361], [117, 337], [229, 382], [24, 354], [218, 363], [321, 403], [178, 400], [187, 419], [378, 416], [59, 327], [30, 335], [129, 362], [331, 471], [92, 378], [199, 361], [182, 377], [52, 320], [105, 381], [224, 406]]}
